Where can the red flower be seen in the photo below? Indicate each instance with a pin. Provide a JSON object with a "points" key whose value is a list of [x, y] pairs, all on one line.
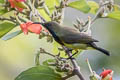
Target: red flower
{"points": [[106, 74], [17, 4], [35, 28], [20, 0]]}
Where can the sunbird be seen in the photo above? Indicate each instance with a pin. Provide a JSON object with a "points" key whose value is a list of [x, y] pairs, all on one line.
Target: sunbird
{"points": [[71, 38]]}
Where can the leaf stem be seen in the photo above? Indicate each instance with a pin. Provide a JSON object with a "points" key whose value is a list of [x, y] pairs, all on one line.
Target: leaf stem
{"points": [[91, 71], [37, 62]]}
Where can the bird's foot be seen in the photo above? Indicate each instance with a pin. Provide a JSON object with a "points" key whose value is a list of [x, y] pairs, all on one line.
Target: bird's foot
{"points": [[71, 57], [70, 49]]}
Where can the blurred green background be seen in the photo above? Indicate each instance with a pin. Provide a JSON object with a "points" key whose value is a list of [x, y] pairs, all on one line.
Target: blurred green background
{"points": [[17, 54]]}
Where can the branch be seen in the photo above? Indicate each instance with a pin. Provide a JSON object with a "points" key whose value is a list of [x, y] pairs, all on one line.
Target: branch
{"points": [[58, 14], [76, 70], [98, 15], [85, 26], [3, 18], [51, 54], [68, 76], [43, 51], [101, 10]]}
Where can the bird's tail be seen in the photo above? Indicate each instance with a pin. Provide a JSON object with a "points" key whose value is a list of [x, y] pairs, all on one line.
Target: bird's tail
{"points": [[100, 49]]}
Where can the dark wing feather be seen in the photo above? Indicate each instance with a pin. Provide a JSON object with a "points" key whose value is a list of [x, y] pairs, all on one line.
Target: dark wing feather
{"points": [[71, 35]]}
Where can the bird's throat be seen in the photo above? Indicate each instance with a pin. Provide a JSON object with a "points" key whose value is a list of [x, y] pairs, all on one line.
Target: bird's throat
{"points": [[57, 39]]}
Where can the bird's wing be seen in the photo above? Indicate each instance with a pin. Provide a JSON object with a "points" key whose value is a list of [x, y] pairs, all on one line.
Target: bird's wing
{"points": [[69, 35]]}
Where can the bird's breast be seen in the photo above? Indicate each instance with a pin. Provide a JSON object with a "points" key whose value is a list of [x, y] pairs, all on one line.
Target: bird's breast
{"points": [[77, 46]]}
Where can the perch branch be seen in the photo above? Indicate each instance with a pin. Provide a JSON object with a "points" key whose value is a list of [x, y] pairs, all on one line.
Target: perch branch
{"points": [[76, 70], [68, 76]]}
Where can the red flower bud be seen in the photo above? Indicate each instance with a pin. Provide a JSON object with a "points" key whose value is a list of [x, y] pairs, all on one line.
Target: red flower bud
{"points": [[35, 28], [20, 0], [17, 4], [24, 28], [106, 74]]}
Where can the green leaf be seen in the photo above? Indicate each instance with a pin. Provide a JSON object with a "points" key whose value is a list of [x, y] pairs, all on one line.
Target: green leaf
{"points": [[55, 50], [80, 5], [51, 4], [3, 11], [5, 27], [114, 15], [49, 62], [116, 7], [94, 6], [44, 14], [2, 1], [39, 73], [11, 35]]}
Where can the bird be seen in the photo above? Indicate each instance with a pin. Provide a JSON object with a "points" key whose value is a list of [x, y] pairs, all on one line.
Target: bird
{"points": [[71, 38]]}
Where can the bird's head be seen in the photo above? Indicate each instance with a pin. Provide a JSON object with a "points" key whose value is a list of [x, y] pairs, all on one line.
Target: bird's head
{"points": [[51, 25], [48, 24]]}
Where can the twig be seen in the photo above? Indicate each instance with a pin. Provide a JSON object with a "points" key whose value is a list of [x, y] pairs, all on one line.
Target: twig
{"points": [[76, 70], [43, 19], [50, 54], [43, 51], [29, 4], [3, 18], [101, 10], [98, 15], [58, 14], [68, 76]]}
